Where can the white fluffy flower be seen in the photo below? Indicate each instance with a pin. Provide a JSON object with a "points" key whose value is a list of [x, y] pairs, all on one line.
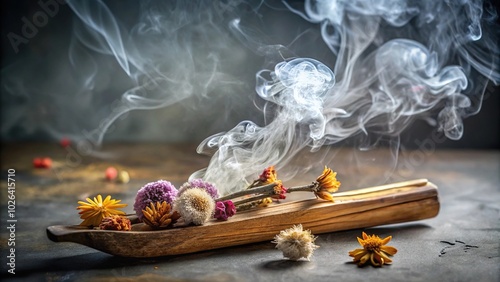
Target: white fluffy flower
{"points": [[296, 243], [195, 206]]}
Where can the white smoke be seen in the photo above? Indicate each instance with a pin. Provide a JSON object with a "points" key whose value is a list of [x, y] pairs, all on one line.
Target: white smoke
{"points": [[394, 61], [357, 71]]}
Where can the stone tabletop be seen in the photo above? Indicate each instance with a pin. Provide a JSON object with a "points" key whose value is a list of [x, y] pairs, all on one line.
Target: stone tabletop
{"points": [[461, 244]]}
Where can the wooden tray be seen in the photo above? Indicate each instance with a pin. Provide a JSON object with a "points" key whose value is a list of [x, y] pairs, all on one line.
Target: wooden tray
{"points": [[387, 204]]}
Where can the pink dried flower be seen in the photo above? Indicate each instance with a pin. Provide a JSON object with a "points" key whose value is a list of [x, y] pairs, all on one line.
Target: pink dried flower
{"points": [[152, 192], [230, 208], [224, 210], [220, 211], [200, 183]]}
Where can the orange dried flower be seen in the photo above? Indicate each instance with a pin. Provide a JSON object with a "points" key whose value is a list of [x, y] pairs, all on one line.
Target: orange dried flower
{"points": [[327, 183], [158, 215], [115, 222], [93, 211], [374, 249], [268, 176], [264, 202]]}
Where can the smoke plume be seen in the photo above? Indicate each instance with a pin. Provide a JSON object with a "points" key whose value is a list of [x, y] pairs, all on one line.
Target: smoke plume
{"points": [[326, 72]]}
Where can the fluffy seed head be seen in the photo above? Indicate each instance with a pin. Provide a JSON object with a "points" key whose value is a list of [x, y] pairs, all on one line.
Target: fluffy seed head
{"points": [[296, 243], [195, 206]]}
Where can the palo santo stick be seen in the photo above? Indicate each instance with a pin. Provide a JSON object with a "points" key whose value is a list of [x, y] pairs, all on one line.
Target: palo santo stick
{"points": [[387, 204]]}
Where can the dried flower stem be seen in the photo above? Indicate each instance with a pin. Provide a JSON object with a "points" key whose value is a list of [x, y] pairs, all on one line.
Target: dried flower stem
{"points": [[264, 190], [306, 188], [252, 199], [249, 205]]}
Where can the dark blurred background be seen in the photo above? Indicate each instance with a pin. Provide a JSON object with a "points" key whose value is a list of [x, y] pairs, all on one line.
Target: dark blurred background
{"points": [[40, 105]]}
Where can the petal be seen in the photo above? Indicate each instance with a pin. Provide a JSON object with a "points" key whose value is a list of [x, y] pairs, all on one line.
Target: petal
{"points": [[364, 235], [363, 259], [107, 200], [375, 260], [91, 201], [361, 242], [117, 206], [386, 259], [115, 212], [389, 249], [324, 195], [386, 240], [99, 199], [359, 255], [356, 252]]}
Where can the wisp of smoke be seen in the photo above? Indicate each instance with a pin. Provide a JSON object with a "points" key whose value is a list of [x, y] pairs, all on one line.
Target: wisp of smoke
{"points": [[389, 63], [394, 61]]}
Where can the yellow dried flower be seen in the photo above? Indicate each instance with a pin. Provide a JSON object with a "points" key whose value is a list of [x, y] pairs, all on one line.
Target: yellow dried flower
{"points": [[265, 202], [296, 243], [158, 215], [116, 222], [327, 183], [374, 249], [268, 176], [93, 211]]}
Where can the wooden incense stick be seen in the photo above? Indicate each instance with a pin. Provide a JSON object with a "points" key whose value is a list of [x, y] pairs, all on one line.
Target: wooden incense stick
{"points": [[386, 204]]}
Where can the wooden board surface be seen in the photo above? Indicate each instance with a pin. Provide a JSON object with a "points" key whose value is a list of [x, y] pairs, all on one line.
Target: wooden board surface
{"points": [[387, 204]]}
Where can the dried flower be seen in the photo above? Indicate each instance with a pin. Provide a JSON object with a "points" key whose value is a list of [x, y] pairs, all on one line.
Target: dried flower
{"points": [[115, 222], [200, 183], [158, 215], [296, 243], [195, 206], [230, 208], [224, 210], [157, 191], [265, 202], [269, 176], [220, 211], [279, 191], [327, 183], [324, 185], [93, 211], [374, 249]]}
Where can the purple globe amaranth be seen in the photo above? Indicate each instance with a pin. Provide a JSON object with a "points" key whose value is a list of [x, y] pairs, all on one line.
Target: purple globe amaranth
{"points": [[152, 192], [200, 183]]}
